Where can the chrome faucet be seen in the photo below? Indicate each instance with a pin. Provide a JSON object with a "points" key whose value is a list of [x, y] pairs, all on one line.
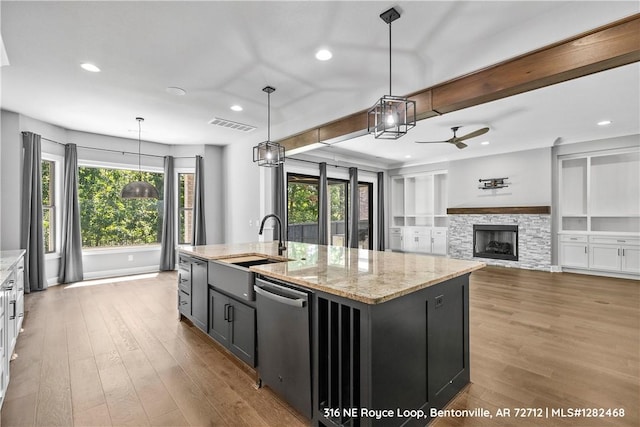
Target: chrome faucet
{"points": [[281, 246]]}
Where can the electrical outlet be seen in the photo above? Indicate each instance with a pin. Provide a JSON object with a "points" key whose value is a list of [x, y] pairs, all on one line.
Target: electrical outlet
{"points": [[439, 301], [130, 258]]}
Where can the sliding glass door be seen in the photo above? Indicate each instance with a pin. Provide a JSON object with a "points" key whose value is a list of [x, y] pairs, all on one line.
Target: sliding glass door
{"points": [[302, 208], [302, 211]]}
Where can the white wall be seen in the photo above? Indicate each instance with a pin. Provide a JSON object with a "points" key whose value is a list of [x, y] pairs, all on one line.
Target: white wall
{"points": [[529, 174], [11, 177], [241, 196], [213, 187]]}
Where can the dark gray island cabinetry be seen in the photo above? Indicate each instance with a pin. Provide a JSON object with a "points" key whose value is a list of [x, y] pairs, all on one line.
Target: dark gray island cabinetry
{"points": [[388, 333]]}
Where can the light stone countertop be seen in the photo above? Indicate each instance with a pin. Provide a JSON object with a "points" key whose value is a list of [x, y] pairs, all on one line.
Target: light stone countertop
{"points": [[7, 260], [371, 277]]}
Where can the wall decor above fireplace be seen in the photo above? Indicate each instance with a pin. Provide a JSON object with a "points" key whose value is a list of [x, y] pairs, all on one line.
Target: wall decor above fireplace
{"points": [[492, 183]]}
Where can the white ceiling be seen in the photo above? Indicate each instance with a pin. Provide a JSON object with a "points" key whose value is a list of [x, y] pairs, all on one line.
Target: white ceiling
{"points": [[224, 53]]}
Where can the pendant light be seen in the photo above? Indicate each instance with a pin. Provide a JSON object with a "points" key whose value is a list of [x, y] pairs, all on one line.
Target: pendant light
{"points": [[392, 116], [139, 189], [267, 153]]}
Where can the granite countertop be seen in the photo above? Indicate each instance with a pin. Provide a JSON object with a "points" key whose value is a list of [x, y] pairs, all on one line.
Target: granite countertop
{"points": [[371, 277], [7, 260]]}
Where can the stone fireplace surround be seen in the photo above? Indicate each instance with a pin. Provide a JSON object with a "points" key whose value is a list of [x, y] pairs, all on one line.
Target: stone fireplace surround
{"points": [[534, 234]]}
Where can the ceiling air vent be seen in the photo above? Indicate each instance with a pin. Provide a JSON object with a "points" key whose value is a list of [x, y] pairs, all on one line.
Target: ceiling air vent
{"points": [[228, 124]]}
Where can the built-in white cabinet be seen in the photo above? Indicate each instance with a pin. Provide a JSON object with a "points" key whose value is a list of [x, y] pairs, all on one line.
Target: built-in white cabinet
{"points": [[11, 311], [599, 211], [574, 251], [419, 213], [395, 237], [419, 200], [427, 240], [600, 253]]}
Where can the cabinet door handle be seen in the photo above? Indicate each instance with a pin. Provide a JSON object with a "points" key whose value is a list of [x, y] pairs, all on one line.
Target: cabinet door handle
{"points": [[585, 249], [13, 316], [622, 251], [618, 251], [230, 313], [226, 312]]}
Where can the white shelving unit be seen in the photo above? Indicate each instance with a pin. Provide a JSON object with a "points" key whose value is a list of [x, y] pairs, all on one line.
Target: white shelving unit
{"points": [[419, 213], [600, 212]]}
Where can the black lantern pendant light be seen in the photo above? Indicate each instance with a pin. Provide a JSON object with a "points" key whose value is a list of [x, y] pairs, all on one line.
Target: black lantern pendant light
{"points": [[392, 116], [267, 153], [139, 189]]}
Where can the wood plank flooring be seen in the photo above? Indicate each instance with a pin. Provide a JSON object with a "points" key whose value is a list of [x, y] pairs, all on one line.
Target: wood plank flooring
{"points": [[115, 354]]}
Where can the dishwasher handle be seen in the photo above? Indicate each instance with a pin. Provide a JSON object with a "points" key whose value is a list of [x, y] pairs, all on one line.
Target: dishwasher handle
{"points": [[294, 302]]}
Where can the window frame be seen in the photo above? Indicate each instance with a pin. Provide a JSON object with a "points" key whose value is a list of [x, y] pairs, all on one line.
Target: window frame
{"points": [[58, 164], [177, 173], [120, 166]]}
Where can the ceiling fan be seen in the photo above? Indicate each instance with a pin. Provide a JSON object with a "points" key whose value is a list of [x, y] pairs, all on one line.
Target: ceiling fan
{"points": [[457, 140]]}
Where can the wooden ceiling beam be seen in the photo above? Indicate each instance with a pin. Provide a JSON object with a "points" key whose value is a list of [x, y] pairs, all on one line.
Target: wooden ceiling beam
{"points": [[601, 49]]}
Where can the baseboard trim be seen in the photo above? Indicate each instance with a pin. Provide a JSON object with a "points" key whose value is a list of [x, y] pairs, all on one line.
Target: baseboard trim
{"points": [[601, 273]]}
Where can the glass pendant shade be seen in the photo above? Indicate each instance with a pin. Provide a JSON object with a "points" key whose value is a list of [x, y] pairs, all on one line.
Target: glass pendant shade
{"points": [[391, 117], [139, 190], [268, 154]]}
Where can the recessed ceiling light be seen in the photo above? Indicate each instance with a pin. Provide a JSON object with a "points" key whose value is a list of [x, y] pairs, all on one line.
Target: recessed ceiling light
{"points": [[177, 91], [236, 108], [323, 55], [408, 156], [90, 67], [484, 143], [604, 123]]}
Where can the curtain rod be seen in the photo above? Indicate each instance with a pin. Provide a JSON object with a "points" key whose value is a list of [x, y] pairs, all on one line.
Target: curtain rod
{"points": [[335, 166], [117, 151]]}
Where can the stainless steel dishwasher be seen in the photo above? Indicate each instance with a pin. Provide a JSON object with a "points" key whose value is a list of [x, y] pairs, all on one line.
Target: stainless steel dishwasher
{"points": [[284, 337]]}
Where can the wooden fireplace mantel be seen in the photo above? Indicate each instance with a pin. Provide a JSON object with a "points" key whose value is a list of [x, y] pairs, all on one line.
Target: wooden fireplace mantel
{"points": [[504, 210]]}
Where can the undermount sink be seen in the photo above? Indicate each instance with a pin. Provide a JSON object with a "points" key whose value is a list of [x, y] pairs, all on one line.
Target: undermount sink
{"points": [[257, 262], [251, 260]]}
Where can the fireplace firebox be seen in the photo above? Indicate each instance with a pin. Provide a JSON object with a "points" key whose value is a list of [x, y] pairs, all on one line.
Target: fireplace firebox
{"points": [[495, 241]]}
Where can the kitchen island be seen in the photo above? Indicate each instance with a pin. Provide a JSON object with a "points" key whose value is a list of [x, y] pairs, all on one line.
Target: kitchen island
{"points": [[389, 332]]}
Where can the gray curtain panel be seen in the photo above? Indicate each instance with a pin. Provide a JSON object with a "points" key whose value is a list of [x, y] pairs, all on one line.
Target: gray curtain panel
{"points": [[380, 220], [279, 200], [168, 241], [71, 249], [354, 207], [198, 236], [31, 233], [323, 206]]}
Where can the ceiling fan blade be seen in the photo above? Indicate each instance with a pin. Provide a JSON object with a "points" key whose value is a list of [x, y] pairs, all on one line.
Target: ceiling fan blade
{"points": [[473, 134], [460, 145], [430, 142]]}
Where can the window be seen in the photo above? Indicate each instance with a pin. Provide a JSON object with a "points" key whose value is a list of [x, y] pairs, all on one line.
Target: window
{"points": [[186, 183], [107, 220], [48, 205], [302, 208]]}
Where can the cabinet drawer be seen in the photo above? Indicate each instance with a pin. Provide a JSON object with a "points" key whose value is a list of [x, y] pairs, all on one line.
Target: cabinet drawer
{"points": [[184, 281], [438, 232], [573, 238], [613, 240], [184, 304], [395, 231]]}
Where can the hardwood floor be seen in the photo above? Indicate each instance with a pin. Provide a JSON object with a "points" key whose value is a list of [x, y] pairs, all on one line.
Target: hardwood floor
{"points": [[115, 354]]}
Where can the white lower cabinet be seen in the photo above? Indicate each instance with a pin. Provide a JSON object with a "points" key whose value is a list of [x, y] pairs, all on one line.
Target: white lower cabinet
{"points": [[427, 240], [11, 312], [602, 253], [395, 239], [574, 251]]}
